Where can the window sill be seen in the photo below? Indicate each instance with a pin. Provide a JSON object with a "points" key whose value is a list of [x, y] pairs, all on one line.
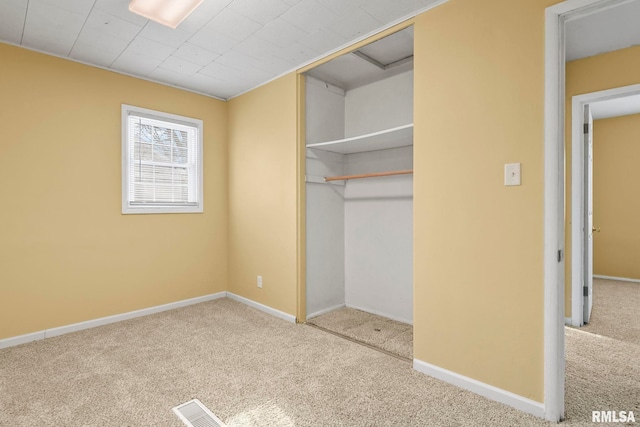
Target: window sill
{"points": [[162, 210]]}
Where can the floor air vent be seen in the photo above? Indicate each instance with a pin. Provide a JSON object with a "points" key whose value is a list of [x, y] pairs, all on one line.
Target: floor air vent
{"points": [[195, 414]]}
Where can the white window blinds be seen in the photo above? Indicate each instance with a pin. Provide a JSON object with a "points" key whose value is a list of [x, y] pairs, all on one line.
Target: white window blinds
{"points": [[163, 164]]}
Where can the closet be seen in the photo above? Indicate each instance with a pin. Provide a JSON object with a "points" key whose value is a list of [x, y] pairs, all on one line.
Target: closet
{"points": [[359, 182]]}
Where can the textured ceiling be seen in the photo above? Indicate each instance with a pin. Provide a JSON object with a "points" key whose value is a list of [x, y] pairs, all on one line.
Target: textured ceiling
{"points": [[224, 48], [227, 47], [376, 61], [612, 29]]}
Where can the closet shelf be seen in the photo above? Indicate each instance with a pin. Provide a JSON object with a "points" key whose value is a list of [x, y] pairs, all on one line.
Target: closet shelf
{"points": [[400, 136], [368, 175]]}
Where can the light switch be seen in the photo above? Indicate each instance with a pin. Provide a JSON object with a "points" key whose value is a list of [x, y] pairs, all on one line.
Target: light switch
{"points": [[512, 174]]}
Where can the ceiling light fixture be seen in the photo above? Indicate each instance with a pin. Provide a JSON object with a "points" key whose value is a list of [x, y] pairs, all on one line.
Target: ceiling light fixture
{"points": [[166, 12]]}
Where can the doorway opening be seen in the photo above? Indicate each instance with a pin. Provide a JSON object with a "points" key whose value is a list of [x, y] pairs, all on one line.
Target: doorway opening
{"points": [[581, 370], [604, 104]]}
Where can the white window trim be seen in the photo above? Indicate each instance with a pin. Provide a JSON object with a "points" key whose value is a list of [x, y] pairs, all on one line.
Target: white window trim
{"points": [[158, 209]]}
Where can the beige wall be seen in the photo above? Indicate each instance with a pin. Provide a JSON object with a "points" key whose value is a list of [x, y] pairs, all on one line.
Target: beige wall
{"points": [[607, 71], [263, 157], [478, 251], [616, 196], [67, 254]]}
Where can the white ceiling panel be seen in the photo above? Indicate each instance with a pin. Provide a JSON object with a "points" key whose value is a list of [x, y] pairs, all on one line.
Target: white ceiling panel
{"points": [[100, 41], [309, 15], [88, 53], [195, 54], [43, 16], [266, 62], [281, 33], [201, 83], [239, 60], [234, 25], [238, 43], [165, 35], [211, 39], [168, 76], [355, 24], [50, 28], [120, 9], [22, 4], [275, 65], [241, 79], [150, 48], [296, 53], [134, 63], [12, 14], [77, 6], [384, 9], [257, 47], [112, 25], [203, 14], [180, 66], [262, 11], [252, 76], [341, 6], [219, 71], [49, 41], [323, 40]]}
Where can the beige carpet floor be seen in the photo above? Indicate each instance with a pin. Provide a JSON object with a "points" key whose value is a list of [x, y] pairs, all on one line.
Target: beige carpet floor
{"points": [[390, 335], [616, 310], [252, 369], [601, 374]]}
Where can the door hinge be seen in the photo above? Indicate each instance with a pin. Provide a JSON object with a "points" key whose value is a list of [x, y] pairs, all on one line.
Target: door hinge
{"points": [[585, 291], [560, 255], [586, 128]]}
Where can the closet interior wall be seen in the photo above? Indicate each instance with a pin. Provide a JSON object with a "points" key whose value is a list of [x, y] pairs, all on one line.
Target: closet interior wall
{"points": [[359, 232], [325, 263]]}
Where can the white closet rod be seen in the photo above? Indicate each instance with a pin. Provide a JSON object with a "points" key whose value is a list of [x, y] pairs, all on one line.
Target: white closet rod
{"points": [[367, 175]]}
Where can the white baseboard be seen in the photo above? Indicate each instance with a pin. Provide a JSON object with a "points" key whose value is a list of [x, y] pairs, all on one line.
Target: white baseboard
{"points": [[325, 311], [568, 321], [21, 339], [272, 311], [53, 332], [622, 279], [381, 314], [490, 392]]}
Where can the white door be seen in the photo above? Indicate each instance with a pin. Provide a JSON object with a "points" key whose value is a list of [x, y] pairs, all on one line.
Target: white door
{"points": [[588, 211]]}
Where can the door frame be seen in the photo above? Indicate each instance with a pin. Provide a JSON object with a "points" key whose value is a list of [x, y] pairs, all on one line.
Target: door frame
{"points": [[578, 181], [301, 218], [556, 17], [554, 198]]}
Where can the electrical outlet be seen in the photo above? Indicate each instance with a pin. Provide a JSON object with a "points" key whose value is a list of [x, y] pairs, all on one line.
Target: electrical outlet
{"points": [[260, 281]]}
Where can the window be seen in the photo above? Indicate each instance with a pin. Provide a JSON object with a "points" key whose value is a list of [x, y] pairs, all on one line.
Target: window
{"points": [[161, 162]]}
